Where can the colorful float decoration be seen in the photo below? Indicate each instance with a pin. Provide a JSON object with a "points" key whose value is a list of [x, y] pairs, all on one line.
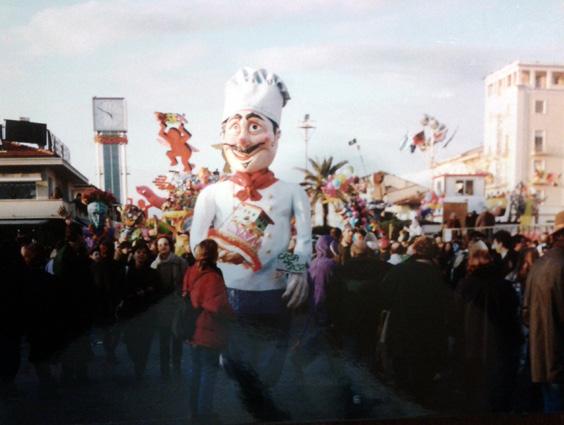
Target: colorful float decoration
{"points": [[430, 204], [100, 228], [132, 220], [243, 233], [175, 137], [541, 177], [431, 133]]}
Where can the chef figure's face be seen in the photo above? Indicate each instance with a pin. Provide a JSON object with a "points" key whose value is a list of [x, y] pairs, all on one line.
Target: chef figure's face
{"points": [[249, 141]]}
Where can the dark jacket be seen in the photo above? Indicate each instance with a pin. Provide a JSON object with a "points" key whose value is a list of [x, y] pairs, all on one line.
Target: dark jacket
{"points": [[543, 312], [416, 295], [354, 297], [72, 268], [485, 219], [508, 263], [41, 311], [490, 310], [207, 292], [108, 279], [142, 288]]}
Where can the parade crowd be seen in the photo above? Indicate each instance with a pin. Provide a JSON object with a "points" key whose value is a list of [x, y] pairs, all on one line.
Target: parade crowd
{"points": [[479, 317]]}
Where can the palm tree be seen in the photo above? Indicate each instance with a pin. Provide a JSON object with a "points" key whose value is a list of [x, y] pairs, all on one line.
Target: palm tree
{"points": [[315, 181]]}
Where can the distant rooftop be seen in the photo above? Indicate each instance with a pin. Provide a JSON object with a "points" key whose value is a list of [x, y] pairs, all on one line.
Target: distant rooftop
{"points": [[525, 64]]}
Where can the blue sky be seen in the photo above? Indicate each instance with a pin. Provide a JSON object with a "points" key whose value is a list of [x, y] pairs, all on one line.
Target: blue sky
{"points": [[364, 69]]}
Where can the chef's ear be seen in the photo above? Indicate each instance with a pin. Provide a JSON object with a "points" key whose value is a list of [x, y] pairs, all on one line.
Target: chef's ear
{"points": [[277, 136]]}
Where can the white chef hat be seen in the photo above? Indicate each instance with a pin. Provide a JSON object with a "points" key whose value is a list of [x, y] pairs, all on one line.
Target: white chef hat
{"points": [[257, 90]]}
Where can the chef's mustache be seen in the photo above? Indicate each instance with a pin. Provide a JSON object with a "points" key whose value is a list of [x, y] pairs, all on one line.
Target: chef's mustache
{"points": [[242, 150]]}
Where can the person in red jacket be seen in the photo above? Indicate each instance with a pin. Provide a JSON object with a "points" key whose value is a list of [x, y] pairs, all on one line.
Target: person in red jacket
{"points": [[204, 283]]}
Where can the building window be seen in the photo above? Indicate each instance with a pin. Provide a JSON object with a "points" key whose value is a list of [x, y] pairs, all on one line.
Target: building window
{"points": [[17, 190], [558, 79], [460, 187], [540, 106], [469, 187], [525, 78], [540, 80], [539, 141], [464, 187]]}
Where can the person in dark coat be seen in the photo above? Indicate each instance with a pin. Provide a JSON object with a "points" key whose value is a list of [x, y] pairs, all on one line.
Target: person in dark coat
{"points": [[355, 301], [485, 220], [492, 334], [142, 286], [72, 267], [11, 320], [416, 295], [40, 310], [208, 294], [108, 276], [543, 313], [505, 255]]}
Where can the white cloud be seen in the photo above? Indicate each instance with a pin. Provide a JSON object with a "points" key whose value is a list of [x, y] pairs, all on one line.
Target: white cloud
{"points": [[84, 27], [447, 60], [444, 94]]}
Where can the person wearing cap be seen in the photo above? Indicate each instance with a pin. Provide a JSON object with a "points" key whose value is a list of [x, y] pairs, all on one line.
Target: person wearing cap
{"points": [[260, 295], [543, 313]]}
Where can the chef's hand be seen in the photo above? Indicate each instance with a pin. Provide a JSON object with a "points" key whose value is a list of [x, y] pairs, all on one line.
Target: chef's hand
{"points": [[296, 291], [232, 258]]}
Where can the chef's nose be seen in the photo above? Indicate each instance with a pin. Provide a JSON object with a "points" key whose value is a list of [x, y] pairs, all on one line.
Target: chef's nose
{"points": [[243, 139]]}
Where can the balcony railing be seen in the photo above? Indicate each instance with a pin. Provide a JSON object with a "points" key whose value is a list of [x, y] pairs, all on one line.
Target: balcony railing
{"points": [[19, 209]]}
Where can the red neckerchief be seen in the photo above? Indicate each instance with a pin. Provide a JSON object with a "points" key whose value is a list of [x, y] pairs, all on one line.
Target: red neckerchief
{"points": [[252, 183]]}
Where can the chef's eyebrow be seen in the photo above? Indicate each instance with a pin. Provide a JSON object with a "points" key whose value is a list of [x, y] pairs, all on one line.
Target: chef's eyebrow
{"points": [[253, 115], [234, 117]]}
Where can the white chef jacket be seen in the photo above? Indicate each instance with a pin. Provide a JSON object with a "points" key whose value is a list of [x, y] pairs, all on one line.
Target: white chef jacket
{"points": [[280, 201]]}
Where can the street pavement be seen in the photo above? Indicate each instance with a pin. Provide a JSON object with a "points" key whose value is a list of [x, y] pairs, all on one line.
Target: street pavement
{"points": [[112, 395]]}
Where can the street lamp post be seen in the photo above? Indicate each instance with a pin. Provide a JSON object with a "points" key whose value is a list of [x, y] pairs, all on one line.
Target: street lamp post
{"points": [[354, 142], [306, 125]]}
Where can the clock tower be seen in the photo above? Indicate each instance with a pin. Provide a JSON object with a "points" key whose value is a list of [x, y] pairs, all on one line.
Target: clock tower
{"points": [[110, 137]]}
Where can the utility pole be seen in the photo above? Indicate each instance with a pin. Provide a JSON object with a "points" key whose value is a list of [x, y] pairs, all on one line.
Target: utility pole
{"points": [[306, 125]]}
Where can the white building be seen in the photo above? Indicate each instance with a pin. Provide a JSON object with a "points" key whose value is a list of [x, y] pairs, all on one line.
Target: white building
{"points": [[36, 182], [523, 135], [524, 131]]}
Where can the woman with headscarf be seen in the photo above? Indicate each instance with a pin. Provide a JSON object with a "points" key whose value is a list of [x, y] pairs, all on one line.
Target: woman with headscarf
{"points": [[317, 329], [320, 272], [171, 270]]}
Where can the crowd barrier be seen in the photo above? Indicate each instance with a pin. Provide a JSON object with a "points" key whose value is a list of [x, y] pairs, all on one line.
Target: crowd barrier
{"points": [[532, 232]]}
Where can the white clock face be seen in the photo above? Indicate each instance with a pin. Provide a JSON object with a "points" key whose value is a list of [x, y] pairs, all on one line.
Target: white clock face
{"points": [[109, 114]]}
